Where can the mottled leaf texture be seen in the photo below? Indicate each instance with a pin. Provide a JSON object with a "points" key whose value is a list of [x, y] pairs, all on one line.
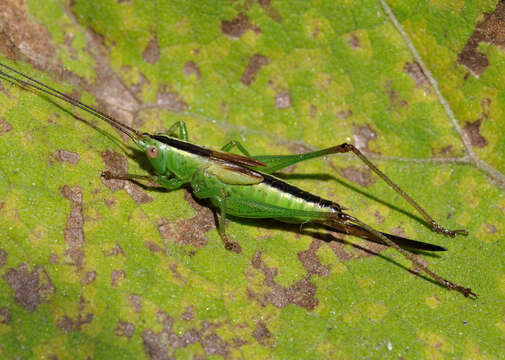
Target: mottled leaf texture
{"points": [[92, 268]]}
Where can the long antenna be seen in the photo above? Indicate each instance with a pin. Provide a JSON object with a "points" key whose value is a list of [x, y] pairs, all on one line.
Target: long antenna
{"points": [[35, 85]]}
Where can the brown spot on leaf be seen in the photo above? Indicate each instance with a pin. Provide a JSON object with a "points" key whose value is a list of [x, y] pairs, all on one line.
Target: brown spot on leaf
{"points": [[152, 246], [117, 164], [362, 135], [5, 315], [237, 27], [190, 68], [4, 126], [472, 129], [135, 302], [54, 259], [116, 276], [189, 314], [360, 175], [283, 100], [124, 328], [88, 277], [255, 64], [171, 100], [393, 95], [109, 202], [3, 257], [445, 151], [344, 114], [353, 41], [74, 235], [379, 217], [115, 251], [163, 344], [310, 261], [270, 10], [189, 231], [490, 30], [30, 288], [151, 53], [262, 334], [67, 324], [66, 156], [302, 293], [417, 74], [473, 134], [398, 231], [20, 36]]}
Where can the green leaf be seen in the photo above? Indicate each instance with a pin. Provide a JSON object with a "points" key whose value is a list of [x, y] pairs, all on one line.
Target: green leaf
{"points": [[98, 269]]}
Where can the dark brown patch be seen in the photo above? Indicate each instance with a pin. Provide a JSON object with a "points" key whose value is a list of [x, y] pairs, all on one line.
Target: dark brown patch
{"points": [[163, 344], [74, 235], [270, 10], [472, 129], [262, 334], [152, 246], [20, 36], [4, 126], [67, 324], [302, 293], [189, 231], [115, 251], [135, 302], [360, 175], [490, 228], [490, 30], [473, 134], [313, 111], [283, 100], [116, 276], [124, 328], [3, 257], [417, 74], [339, 249], [237, 27], [310, 262], [171, 100], [190, 68], [151, 53], [5, 315], [30, 289], [353, 41], [255, 64], [189, 314], [66, 156], [118, 165], [393, 95], [445, 151], [362, 135], [88, 277]]}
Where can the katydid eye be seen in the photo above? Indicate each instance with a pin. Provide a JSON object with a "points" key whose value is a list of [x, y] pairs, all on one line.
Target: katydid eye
{"points": [[152, 152]]}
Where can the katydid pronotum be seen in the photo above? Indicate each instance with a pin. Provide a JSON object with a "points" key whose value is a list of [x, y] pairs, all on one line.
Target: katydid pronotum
{"points": [[244, 185]]}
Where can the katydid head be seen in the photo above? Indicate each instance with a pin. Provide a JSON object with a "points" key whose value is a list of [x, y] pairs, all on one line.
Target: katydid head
{"points": [[153, 150]]}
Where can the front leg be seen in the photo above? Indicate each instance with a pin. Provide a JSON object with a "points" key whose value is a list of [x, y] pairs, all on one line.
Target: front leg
{"points": [[169, 183]]}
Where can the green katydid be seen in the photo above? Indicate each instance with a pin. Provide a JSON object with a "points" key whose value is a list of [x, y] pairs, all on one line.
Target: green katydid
{"points": [[245, 186]]}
